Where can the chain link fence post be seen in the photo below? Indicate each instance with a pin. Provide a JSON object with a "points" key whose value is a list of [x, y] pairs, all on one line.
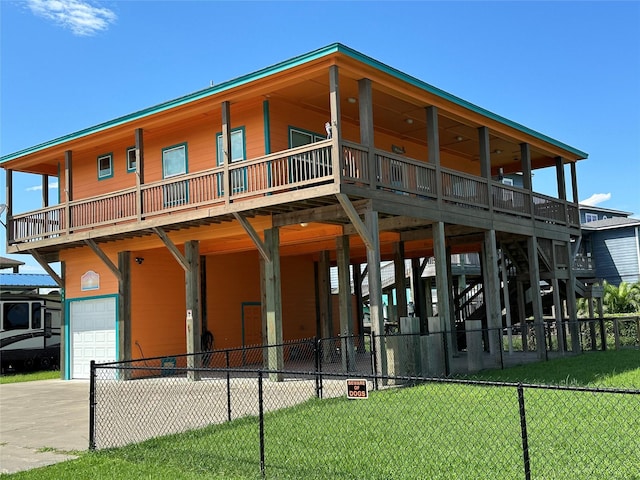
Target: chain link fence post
{"points": [[261, 421], [523, 429], [92, 406]]}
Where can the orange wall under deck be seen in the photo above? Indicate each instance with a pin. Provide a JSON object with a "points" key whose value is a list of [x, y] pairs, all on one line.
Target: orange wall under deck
{"points": [[235, 278]]}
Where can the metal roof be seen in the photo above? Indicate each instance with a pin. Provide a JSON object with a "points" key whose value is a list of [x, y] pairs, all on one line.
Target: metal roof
{"points": [[282, 66], [26, 280]]}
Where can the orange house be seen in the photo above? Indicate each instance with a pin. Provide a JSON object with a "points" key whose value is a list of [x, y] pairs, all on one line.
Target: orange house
{"points": [[224, 210]]}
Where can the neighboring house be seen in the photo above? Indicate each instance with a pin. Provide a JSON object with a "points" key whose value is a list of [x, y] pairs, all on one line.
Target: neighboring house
{"points": [[14, 265], [611, 240], [225, 209]]}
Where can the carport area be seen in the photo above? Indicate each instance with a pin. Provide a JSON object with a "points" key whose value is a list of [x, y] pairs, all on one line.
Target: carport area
{"points": [[42, 423]]}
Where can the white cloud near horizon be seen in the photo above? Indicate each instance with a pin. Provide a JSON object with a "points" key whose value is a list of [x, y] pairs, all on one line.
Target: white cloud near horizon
{"points": [[595, 199], [80, 16], [36, 188]]}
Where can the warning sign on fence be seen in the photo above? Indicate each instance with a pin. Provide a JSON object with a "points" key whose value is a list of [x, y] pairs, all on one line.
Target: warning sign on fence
{"points": [[357, 388]]}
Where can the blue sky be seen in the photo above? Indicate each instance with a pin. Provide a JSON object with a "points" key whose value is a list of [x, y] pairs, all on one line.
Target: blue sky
{"points": [[570, 70]]}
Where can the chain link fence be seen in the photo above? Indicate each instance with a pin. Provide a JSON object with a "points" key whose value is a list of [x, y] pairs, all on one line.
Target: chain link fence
{"points": [[229, 416]]}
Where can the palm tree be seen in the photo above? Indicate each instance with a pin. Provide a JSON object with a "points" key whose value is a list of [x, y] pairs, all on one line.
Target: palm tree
{"points": [[625, 298]]}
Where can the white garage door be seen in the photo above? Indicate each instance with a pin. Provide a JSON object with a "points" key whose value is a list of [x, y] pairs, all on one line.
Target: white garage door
{"points": [[93, 334]]}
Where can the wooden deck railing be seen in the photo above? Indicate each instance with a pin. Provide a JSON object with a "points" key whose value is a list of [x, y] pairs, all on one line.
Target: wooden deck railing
{"points": [[298, 168]]}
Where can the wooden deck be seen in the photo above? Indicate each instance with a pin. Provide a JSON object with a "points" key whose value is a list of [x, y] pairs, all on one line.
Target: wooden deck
{"points": [[295, 179]]}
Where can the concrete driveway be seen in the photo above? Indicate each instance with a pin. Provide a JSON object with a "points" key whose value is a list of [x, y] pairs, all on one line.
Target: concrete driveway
{"points": [[42, 423]]}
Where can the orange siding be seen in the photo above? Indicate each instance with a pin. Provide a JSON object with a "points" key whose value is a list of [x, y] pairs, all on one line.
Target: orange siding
{"points": [[231, 280], [235, 278], [298, 297], [158, 308], [283, 115], [80, 260], [199, 135]]}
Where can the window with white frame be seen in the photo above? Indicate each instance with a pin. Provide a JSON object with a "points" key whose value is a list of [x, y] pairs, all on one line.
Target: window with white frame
{"points": [[174, 163], [306, 166], [131, 159], [105, 166], [590, 217], [238, 175], [298, 138], [237, 147]]}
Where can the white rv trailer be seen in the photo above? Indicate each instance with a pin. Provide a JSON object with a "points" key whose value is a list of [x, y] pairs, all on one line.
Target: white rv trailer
{"points": [[29, 331]]}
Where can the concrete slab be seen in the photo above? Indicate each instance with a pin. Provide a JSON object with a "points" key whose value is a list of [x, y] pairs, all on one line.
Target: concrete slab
{"points": [[42, 423]]}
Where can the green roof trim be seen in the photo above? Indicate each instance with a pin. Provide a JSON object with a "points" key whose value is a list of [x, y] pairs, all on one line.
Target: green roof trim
{"points": [[279, 67]]}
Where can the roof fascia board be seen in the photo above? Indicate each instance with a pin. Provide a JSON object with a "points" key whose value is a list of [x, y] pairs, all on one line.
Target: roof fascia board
{"points": [[584, 207]]}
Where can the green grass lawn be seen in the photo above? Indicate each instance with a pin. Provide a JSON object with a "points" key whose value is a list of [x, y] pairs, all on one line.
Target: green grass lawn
{"points": [[435, 431], [29, 377]]}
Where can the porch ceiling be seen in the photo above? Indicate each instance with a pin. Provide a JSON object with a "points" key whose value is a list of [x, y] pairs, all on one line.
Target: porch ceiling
{"points": [[398, 110], [405, 119]]}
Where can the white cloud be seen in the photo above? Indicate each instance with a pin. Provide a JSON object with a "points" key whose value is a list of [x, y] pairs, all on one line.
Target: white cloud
{"points": [[79, 16], [37, 188], [596, 198]]}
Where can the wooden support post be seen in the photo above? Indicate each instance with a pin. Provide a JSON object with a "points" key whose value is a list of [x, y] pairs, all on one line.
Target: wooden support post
{"points": [[336, 129], [536, 299], [574, 183], [492, 296], [366, 128], [603, 331], [417, 291], [272, 304], [193, 314], [139, 172], [522, 316], [428, 286], [562, 187], [442, 287], [357, 291], [345, 305], [592, 325], [452, 308], [68, 186], [226, 151], [527, 183], [557, 303], [375, 292], [45, 191], [433, 145], [124, 306], [572, 309], [401, 283], [485, 162], [506, 301], [324, 294]]}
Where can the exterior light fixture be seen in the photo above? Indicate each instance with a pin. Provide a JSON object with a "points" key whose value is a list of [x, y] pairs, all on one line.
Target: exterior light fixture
{"points": [[409, 121], [351, 100]]}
